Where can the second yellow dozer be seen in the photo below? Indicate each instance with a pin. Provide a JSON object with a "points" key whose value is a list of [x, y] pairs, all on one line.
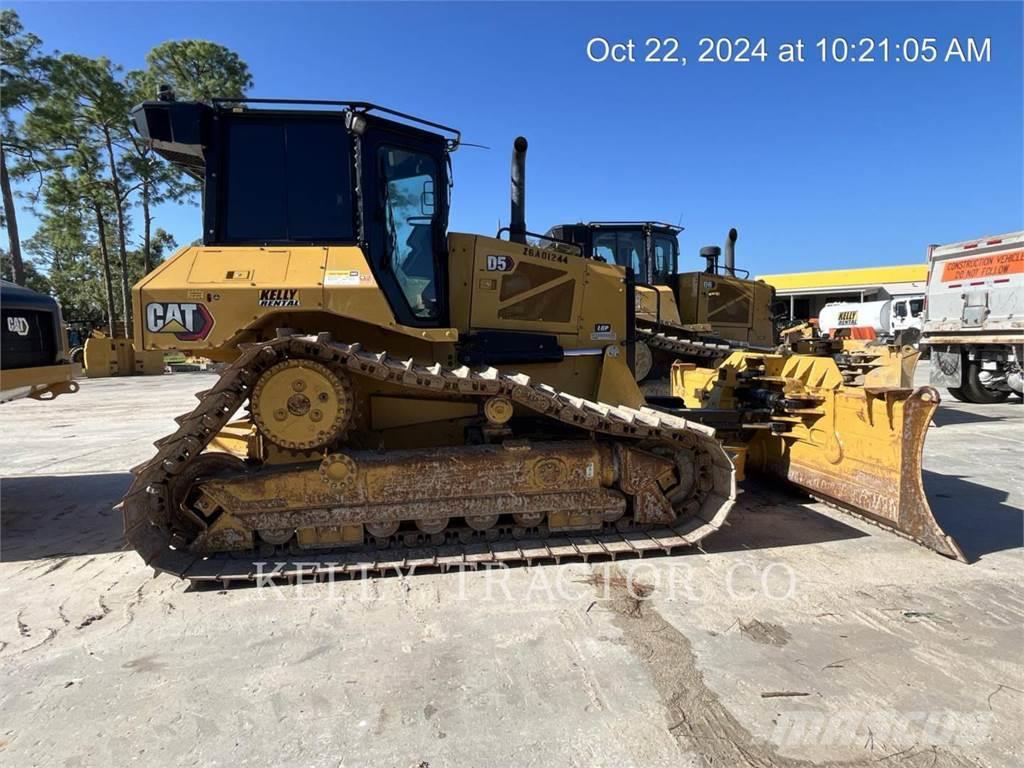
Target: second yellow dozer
{"points": [[396, 396], [838, 418], [689, 316]]}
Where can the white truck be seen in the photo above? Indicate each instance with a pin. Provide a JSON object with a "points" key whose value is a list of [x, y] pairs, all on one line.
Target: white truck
{"points": [[898, 317], [974, 317]]}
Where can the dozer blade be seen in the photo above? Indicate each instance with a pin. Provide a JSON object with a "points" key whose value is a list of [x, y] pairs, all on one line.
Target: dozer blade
{"points": [[863, 455]]}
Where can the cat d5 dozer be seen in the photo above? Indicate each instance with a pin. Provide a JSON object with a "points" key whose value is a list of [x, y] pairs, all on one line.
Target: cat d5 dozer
{"points": [[691, 316], [395, 395]]}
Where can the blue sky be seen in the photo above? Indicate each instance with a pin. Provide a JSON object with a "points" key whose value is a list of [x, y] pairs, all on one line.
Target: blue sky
{"points": [[818, 165]]}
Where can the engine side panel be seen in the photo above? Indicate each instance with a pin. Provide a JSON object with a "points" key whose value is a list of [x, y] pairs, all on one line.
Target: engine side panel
{"points": [[208, 299]]}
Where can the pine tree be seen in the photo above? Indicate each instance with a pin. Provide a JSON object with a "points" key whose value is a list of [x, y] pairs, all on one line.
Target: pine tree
{"points": [[23, 80]]}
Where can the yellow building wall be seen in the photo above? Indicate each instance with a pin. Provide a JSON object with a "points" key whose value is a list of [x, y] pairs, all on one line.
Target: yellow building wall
{"points": [[842, 278]]}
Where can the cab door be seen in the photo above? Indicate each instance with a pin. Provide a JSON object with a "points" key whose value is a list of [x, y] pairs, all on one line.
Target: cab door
{"points": [[405, 217]]}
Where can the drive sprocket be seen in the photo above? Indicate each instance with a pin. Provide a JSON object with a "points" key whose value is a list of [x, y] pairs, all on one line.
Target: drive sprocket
{"points": [[301, 404]]}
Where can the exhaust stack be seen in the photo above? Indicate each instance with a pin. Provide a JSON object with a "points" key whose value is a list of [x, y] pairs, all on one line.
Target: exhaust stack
{"points": [[730, 252], [517, 225]]}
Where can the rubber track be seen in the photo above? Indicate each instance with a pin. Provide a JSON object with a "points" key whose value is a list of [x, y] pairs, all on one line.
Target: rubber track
{"points": [[146, 507]]}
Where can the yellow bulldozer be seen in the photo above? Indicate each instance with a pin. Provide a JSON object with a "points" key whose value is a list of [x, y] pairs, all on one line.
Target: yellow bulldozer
{"points": [[693, 316], [397, 395], [34, 360]]}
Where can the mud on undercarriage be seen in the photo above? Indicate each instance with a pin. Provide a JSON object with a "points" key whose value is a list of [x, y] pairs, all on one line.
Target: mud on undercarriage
{"points": [[615, 480]]}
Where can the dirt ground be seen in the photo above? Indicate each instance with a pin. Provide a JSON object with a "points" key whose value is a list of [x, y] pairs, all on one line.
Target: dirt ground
{"points": [[798, 637]]}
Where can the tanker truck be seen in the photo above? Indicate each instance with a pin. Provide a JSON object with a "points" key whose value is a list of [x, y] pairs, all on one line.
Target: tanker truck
{"points": [[890, 319], [974, 317]]}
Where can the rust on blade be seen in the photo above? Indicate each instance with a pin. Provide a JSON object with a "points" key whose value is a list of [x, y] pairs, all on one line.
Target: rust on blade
{"points": [[871, 463]]}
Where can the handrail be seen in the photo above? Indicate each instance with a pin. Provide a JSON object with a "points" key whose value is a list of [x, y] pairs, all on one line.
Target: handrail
{"points": [[674, 228], [363, 106], [549, 238]]}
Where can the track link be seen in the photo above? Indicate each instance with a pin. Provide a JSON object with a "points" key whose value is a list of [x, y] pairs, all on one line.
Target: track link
{"points": [[681, 345], [705, 350], [148, 511]]}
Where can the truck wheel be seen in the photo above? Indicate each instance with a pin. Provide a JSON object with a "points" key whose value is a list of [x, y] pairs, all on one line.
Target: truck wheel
{"points": [[958, 394], [976, 392]]}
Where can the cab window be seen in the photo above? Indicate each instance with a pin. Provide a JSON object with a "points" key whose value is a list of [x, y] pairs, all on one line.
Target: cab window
{"points": [[916, 307], [604, 247], [410, 220], [623, 248], [286, 180], [629, 249], [664, 255]]}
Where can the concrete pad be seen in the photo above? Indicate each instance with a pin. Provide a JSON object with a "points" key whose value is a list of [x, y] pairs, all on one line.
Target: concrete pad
{"points": [[897, 654]]}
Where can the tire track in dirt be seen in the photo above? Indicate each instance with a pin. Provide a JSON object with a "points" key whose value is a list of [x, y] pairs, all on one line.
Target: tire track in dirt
{"points": [[696, 717], [94, 617]]}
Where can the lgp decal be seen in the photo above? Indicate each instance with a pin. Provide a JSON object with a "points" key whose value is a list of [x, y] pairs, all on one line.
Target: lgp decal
{"points": [[603, 332], [279, 297], [188, 321], [18, 325]]}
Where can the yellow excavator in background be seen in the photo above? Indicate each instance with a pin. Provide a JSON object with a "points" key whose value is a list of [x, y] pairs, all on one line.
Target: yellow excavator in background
{"points": [[398, 395]]}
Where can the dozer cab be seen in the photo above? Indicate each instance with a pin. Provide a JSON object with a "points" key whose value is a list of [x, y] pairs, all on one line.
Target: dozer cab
{"points": [[396, 395], [694, 316]]}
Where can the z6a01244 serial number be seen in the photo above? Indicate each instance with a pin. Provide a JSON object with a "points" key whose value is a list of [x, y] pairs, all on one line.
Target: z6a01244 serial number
{"points": [[826, 50]]}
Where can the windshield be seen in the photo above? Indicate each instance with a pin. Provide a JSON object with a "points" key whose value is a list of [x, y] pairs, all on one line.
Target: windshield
{"points": [[410, 221], [625, 248]]}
